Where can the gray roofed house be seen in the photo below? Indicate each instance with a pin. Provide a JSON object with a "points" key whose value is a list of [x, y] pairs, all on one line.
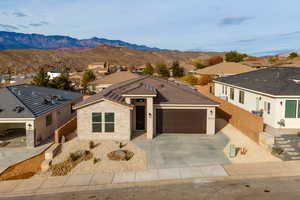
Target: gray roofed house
{"points": [[148, 104], [273, 93], [35, 111]]}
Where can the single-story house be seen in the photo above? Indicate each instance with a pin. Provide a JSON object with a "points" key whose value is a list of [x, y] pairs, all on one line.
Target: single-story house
{"points": [[108, 80], [54, 74], [35, 111], [145, 104], [273, 93], [224, 69]]}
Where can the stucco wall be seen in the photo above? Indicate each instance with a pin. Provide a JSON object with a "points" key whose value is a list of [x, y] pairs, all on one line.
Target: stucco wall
{"points": [[122, 121], [255, 101]]}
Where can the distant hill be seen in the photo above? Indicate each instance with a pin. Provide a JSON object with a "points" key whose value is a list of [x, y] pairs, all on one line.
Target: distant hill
{"points": [[12, 40], [22, 61]]}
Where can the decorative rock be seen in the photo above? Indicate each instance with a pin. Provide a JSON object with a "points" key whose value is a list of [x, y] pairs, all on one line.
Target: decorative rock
{"points": [[120, 155]]}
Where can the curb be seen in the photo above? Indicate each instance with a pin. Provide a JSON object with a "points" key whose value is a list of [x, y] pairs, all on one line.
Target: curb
{"points": [[138, 184]]}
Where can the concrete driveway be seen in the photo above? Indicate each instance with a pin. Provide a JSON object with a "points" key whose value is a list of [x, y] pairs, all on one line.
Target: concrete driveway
{"points": [[182, 150]]}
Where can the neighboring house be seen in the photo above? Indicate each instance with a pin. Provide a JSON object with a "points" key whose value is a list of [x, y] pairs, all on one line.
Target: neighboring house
{"points": [[36, 111], [54, 73], [224, 69], [273, 93], [145, 104], [106, 81], [99, 67]]}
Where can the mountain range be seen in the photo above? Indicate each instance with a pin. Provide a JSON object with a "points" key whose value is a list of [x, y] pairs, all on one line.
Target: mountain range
{"points": [[13, 40]]}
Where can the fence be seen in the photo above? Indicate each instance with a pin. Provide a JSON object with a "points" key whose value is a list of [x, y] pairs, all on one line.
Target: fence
{"points": [[65, 130], [248, 123]]}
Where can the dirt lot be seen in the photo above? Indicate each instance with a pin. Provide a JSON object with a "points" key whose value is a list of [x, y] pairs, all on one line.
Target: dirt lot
{"points": [[23, 170]]}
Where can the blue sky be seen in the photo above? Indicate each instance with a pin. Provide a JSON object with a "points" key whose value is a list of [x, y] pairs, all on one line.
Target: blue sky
{"points": [[216, 25]]}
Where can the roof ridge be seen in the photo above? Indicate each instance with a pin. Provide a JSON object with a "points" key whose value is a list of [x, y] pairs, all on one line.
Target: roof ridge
{"points": [[10, 90], [178, 85]]}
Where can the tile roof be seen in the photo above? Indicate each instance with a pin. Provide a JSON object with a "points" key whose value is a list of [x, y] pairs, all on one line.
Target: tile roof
{"points": [[168, 92], [34, 100], [282, 81], [225, 68], [116, 77]]}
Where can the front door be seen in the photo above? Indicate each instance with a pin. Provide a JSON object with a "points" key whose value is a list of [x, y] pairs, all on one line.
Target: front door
{"points": [[140, 118]]}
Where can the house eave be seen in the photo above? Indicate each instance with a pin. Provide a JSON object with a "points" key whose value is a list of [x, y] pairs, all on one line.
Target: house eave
{"points": [[257, 92]]}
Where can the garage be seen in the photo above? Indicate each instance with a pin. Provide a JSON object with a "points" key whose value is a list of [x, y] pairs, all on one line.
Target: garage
{"points": [[12, 135], [189, 121]]}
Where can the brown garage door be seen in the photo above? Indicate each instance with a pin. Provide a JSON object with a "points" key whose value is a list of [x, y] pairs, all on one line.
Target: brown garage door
{"points": [[181, 121]]}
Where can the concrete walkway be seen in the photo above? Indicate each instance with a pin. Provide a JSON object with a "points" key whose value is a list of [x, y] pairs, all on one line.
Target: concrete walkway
{"points": [[51, 183], [12, 156]]}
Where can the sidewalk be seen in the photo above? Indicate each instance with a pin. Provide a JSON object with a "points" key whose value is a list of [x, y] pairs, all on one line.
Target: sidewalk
{"points": [[44, 185]]}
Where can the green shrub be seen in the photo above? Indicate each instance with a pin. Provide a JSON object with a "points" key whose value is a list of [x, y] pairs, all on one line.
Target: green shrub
{"points": [[298, 134], [74, 156], [277, 150]]}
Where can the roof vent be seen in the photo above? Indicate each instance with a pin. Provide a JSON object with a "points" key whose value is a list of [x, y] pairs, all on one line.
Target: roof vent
{"points": [[1, 110], [18, 109], [19, 92]]}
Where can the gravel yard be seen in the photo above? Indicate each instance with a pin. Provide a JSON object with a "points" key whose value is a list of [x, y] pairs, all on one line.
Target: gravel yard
{"points": [[100, 151], [255, 153]]}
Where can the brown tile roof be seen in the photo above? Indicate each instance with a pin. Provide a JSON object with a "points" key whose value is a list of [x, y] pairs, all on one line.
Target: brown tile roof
{"points": [[167, 92], [116, 77]]}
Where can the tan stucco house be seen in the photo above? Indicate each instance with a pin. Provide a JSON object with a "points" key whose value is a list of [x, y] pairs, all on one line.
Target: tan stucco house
{"points": [[34, 112], [145, 104]]}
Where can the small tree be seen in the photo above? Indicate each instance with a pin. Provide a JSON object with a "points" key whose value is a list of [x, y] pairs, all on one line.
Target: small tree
{"points": [[199, 64], [162, 70], [149, 70], [41, 79], [293, 55], [205, 79], [234, 56], [62, 82], [215, 60], [177, 71], [87, 77]]}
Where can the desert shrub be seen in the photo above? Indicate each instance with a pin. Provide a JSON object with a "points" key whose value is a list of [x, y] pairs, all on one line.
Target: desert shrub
{"points": [[215, 60], [190, 79], [298, 134], [91, 144], [277, 150], [205, 79], [74, 156]]}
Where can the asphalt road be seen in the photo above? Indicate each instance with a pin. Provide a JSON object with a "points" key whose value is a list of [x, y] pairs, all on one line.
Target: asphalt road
{"points": [[253, 189]]}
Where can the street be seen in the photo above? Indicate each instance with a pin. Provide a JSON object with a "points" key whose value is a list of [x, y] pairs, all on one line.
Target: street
{"points": [[267, 188]]}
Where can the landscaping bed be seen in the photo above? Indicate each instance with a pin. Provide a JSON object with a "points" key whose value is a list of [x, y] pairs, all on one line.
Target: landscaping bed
{"points": [[103, 156]]}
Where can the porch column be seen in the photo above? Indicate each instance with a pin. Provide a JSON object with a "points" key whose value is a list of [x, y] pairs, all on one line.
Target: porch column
{"points": [[210, 126], [150, 118], [30, 134]]}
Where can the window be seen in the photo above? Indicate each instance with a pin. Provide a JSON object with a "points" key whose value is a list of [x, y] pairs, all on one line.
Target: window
{"points": [[49, 120], [96, 122], [109, 122], [225, 90], [231, 93], [242, 97], [267, 107], [291, 109]]}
